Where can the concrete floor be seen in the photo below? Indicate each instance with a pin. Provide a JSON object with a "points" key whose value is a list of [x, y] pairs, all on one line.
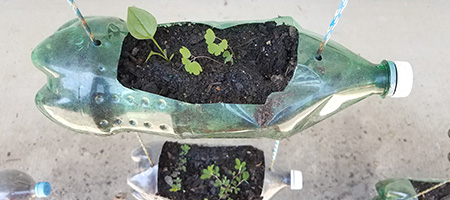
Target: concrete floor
{"points": [[341, 158]]}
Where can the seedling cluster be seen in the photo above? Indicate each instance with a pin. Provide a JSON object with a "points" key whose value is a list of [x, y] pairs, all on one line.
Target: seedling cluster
{"points": [[226, 185], [181, 166], [142, 25]]}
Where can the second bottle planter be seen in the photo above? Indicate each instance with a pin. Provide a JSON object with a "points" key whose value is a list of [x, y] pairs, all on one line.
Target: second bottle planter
{"points": [[192, 171], [84, 94]]}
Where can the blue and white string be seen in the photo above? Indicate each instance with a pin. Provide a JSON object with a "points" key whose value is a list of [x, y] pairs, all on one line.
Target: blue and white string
{"points": [[274, 154], [81, 18], [333, 24]]}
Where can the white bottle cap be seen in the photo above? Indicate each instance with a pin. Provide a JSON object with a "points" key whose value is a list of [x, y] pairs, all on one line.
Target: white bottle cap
{"points": [[296, 180], [404, 79]]}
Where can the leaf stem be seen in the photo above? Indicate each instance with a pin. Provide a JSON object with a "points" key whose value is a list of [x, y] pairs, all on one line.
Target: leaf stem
{"points": [[157, 45], [195, 57]]}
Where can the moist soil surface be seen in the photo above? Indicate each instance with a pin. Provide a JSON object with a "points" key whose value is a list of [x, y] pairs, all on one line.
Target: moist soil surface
{"points": [[264, 55], [440, 193], [198, 158]]}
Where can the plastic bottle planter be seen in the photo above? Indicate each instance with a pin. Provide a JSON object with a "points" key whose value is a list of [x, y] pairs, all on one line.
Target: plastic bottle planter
{"points": [[406, 188], [83, 92]]}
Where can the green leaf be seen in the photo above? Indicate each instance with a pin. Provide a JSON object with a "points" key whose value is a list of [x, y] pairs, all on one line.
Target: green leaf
{"points": [[140, 23], [186, 65], [205, 176], [217, 183], [243, 164], [213, 48], [228, 59], [238, 164], [226, 54], [185, 61], [210, 168], [171, 56], [224, 44], [216, 169], [245, 176], [238, 178], [195, 68], [186, 54], [210, 36]]}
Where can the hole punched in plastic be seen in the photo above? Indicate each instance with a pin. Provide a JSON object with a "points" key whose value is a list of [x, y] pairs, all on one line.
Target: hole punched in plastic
{"points": [[97, 43], [318, 57]]}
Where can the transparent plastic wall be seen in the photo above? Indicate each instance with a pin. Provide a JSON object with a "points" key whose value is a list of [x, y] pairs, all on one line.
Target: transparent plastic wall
{"points": [[83, 93]]}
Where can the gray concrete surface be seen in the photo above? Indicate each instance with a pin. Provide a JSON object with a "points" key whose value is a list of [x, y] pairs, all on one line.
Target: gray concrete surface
{"points": [[341, 158]]}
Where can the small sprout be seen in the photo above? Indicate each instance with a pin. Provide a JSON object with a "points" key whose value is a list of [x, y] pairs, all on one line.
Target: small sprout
{"points": [[185, 149], [176, 185], [217, 49], [142, 25], [214, 48], [206, 174], [228, 57], [226, 185], [189, 66]]}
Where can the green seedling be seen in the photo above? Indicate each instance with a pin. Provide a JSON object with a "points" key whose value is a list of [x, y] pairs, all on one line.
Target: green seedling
{"points": [[142, 25], [188, 60], [176, 185], [226, 185], [189, 66], [217, 49], [180, 166], [184, 150]]}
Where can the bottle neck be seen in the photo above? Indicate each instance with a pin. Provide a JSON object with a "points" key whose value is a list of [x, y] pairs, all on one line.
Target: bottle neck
{"points": [[274, 181], [391, 78]]}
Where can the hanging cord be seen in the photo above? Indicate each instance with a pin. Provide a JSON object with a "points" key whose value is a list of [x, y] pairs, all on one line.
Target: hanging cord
{"points": [[430, 189], [274, 154], [83, 22], [145, 149], [333, 24]]}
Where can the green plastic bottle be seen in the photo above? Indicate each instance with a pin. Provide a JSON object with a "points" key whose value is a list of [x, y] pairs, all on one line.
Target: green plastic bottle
{"points": [[408, 189], [83, 93]]}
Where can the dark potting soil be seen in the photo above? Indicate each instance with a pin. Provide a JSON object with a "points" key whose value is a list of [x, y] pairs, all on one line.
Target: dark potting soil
{"points": [[265, 57], [440, 193], [198, 158]]}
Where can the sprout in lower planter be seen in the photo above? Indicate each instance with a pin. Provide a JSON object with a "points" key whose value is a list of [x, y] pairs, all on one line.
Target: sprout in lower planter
{"points": [[142, 25], [226, 185], [181, 166]]}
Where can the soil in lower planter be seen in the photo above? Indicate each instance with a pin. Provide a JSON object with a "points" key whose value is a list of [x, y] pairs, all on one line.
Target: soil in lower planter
{"points": [[265, 57], [440, 193], [198, 158]]}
